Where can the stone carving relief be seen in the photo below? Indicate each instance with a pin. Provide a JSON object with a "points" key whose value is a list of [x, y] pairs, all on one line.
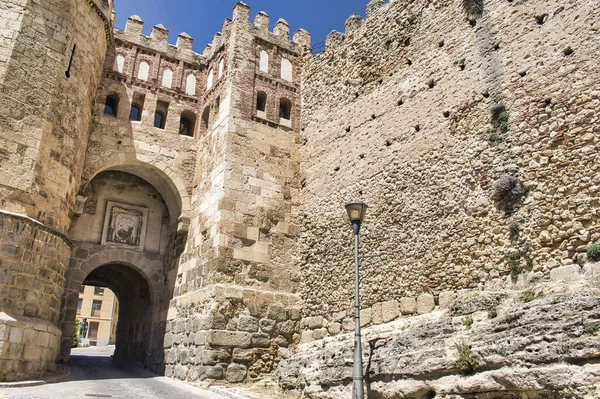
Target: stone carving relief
{"points": [[125, 225]]}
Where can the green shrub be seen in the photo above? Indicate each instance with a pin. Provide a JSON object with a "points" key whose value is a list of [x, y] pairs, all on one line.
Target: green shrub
{"points": [[75, 339], [492, 313], [494, 137], [528, 296], [465, 362], [593, 252], [468, 322], [514, 263]]}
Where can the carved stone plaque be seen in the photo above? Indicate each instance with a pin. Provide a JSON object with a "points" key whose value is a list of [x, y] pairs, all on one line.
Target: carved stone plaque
{"points": [[125, 225]]}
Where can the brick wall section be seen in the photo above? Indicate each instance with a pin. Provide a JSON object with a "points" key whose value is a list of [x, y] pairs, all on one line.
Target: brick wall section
{"points": [[410, 133]]}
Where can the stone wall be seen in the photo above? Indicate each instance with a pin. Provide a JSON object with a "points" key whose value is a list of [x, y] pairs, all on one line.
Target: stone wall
{"points": [[405, 113], [517, 338]]}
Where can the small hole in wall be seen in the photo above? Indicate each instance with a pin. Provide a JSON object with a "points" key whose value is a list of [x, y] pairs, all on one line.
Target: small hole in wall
{"points": [[523, 74], [348, 129], [409, 61], [388, 143], [568, 51], [548, 101], [497, 46], [360, 192], [380, 81], [336, 169], [462, 64], [373, 116], [119, 142], [447, 114], [431, 83], [441, 44], [356, 95], [486, 94], [362, 156], [540, 19], [400, 102], [417, 128], [473, 22]]}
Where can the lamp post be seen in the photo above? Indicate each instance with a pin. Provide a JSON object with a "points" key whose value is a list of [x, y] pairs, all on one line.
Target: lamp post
{"points": [[356, 214]]}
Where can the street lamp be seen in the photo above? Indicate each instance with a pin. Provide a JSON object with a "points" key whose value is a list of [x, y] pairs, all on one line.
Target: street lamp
{"points": [[356, 214]]}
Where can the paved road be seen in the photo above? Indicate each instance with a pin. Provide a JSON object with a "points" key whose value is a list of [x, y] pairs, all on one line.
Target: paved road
{"points": [[94, 375]]}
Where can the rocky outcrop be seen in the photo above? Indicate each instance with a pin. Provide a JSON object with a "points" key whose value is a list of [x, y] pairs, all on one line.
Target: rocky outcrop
{"points": [[540, 343]]}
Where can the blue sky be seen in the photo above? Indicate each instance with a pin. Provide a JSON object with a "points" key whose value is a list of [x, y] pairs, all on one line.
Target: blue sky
{"points": [[201, 19]]}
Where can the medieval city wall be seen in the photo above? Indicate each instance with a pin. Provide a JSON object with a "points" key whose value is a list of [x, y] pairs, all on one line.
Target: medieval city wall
{"points": [[400, 114], [52, 55]]}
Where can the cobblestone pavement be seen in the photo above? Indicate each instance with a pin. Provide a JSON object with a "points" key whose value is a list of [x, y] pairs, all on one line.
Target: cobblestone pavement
{"points": [[94, 375]]}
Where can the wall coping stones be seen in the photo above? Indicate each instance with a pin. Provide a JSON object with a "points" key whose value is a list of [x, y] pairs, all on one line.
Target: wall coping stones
{"points": [[38, 224]]}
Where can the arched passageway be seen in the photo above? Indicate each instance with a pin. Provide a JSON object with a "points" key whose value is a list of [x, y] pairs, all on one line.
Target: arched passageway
{"points": [[134, 330]]}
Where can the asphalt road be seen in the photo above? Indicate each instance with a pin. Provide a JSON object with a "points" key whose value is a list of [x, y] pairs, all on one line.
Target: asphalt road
{"points": [[93, 375]]}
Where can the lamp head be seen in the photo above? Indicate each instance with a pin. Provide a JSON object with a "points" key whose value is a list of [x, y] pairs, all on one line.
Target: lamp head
{"points": [[356, 214]]}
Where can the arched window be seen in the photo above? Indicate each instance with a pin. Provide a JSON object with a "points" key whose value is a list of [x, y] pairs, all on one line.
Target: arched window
{"points": [[261, 101], [221, 67], [285, 109], [111, 105], [187, 123], [167, 80], [159, 119], [286, 69], [136, 113], [119, 65], [190, 85], [143, 71], [209, 81], [264, 61]]}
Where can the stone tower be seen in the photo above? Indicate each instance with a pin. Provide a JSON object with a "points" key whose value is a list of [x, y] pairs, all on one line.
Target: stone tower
{"points": [[51, 57]]}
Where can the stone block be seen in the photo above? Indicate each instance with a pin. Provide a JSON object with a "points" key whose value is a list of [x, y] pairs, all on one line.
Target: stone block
{"points": [[243, 355], [307, 336], [446, 298], [214, 373], [284, 353], [313, 323], [348, 324], [4, 332], [288, 327], [277, 312], [229, 338], [566, 274], [365, 317], [408, 306], [31, 337], [425, 303], [267, 325], [236, 373], [16, 335], [32, 353], [281, 341], [320, 333], [214, 356], [376, 316], [334, 328], [261, 340], [248, 323], [390, 310]]}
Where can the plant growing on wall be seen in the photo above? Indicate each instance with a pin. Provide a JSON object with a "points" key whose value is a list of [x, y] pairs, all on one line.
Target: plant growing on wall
{"points": [[465, 362], [593, 252], [509, 192]]}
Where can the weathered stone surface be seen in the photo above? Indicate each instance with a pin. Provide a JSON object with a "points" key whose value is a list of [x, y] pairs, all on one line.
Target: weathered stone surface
{"points": [[236, 373], [242, 355], [475, 301], [526, 344], [247, 323], [446, 298], [566, 274], [408, 306], [425, 303]]}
